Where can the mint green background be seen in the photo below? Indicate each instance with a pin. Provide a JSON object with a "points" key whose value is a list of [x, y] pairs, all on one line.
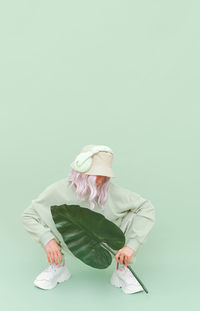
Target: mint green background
{"points": [[120, 73]]}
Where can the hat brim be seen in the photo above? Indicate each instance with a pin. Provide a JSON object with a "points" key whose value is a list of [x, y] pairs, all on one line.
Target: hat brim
{"points": [[98, 171]]}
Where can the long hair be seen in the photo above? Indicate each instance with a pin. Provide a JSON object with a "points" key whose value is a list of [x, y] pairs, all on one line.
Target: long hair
{"points": [[86, 185]]}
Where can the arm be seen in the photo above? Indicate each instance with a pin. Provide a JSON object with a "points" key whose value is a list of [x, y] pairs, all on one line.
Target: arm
{"points": [[136, 225], [32, 224], [31, 218], [138, 222], [142, 222]]}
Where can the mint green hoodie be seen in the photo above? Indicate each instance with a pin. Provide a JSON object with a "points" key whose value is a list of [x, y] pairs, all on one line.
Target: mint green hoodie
{"points": [[128, 210]]}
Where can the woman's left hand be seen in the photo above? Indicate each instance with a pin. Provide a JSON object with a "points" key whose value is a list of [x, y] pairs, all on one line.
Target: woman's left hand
{"points": [[125, 253]]}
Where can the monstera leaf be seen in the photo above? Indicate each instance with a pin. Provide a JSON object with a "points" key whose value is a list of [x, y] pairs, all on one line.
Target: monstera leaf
{"points": [[89, 235]]}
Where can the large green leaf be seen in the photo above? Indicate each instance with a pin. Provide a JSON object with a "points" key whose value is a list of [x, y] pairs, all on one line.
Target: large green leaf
{"points": [[87, 234]]}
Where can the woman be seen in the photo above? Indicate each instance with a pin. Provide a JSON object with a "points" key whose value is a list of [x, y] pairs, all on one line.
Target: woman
{"points": [[89, 186]]}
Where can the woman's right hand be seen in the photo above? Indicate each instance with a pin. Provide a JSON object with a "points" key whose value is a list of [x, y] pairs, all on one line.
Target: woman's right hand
{"points": [[53, 251]]}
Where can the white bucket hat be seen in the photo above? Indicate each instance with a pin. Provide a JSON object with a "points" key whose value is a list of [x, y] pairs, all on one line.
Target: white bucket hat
{"points": [[94, 160]]}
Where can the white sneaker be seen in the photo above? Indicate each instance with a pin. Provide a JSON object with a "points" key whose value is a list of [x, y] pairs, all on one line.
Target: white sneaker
{"points": [[52, 275], [123, 277]]}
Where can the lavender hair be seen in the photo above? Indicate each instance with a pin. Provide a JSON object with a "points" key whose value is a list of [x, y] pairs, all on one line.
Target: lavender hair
{"points": [[86, 184]]}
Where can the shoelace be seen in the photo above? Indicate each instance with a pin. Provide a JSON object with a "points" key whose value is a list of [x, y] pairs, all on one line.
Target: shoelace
{"points": [[127, 272], [52, 267]]}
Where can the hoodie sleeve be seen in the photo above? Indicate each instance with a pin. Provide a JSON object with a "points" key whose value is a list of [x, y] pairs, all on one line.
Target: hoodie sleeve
{"points": [[138, 222], [32, 221]]}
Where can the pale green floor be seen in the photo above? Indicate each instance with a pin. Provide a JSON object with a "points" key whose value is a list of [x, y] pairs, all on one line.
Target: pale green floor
{"points": [[171, 285]]}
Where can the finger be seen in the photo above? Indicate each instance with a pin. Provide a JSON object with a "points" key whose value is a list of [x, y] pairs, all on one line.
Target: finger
{"points": [[121, 259], [117, 255], [57, 258], [54, 256], [51, 256], [60, 257], [127, 261], [48, 258], [59, 254]]}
